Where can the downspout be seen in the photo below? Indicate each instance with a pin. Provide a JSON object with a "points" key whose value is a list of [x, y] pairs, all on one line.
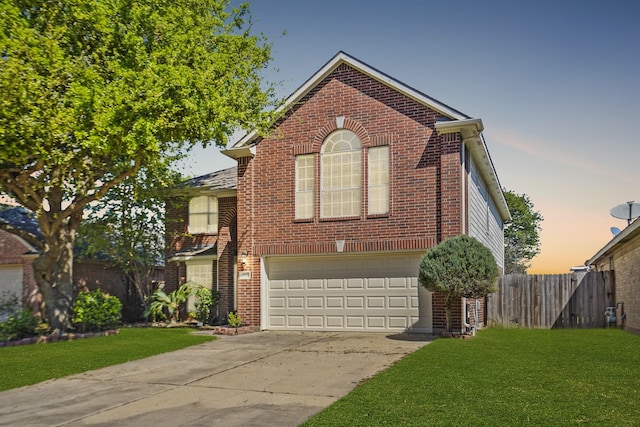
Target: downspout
{"points": [[463, 184]]}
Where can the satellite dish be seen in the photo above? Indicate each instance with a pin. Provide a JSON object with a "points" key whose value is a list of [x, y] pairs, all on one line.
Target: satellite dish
{"points": [[628, 211], [615, 231]]}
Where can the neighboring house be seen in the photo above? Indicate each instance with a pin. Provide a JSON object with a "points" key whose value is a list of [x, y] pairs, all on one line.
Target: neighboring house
{"points": [[16, 270], [202, 236], [16, 267], [331, 213], [622, 255]]}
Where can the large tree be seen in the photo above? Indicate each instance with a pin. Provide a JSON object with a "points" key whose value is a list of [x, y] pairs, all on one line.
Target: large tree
{"points": [[521, 233], [459, 267], [94, 90]]}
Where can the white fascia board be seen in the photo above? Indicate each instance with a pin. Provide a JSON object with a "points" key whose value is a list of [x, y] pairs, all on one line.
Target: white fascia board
{"points": [[187, 258], [625, 235], [238, 151], [471, 130], [343, 58], [468, 128]]}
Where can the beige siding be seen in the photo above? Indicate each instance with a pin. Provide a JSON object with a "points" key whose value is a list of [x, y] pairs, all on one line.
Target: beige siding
{"points": [[484, 221]]}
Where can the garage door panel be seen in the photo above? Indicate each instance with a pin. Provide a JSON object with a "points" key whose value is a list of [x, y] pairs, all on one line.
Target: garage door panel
{"points": [[315, 302], [355, 302], [315, 284], [376, 302], [375, 293], [334, 283], [355, 322], [376, 322], [376, 283], [334, 302], [398, 302], [355, 283], [295, 284], [399, 283], [277, 302], [295, 302], [396, 322], [277, 284]]}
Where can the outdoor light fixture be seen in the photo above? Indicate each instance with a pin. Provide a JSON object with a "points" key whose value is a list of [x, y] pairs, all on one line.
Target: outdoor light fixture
{"points": [[243, 259]]}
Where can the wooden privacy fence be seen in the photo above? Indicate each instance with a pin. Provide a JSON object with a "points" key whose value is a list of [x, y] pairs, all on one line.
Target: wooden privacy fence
{"points": [[576, 300]]}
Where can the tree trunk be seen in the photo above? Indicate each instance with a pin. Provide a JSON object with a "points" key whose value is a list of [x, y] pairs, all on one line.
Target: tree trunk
{"points": [[54, 275], [448, 305]]}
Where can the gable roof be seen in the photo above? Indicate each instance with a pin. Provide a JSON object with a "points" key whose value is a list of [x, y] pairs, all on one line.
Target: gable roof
{"points": [[343, 58], [453, 121]]}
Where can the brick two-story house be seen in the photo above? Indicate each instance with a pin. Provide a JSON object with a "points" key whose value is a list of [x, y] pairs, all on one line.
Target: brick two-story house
{"points": [[329, 215]]}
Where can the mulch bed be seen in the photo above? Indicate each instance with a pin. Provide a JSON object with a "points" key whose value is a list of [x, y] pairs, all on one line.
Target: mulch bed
{"points": [[58, 337]]}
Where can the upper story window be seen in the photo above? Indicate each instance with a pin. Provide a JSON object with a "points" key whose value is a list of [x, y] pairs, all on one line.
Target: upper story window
{"points": [[378, 180], [203, 215], [340, 183], [304, 186]]}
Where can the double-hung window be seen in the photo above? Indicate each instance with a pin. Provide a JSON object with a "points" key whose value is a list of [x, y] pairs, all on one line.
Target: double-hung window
{"points": [[341, 182], [378, 180], [203, 215], [304, 186]]}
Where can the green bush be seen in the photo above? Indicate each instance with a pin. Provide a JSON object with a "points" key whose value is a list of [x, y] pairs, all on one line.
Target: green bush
{"points": [[22, 324], [234, 320], [9, 304], [206, 299], [96, 311]]}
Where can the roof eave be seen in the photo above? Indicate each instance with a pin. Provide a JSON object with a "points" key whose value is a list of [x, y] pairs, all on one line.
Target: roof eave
{"points": [[238, 151], [631, 231]]}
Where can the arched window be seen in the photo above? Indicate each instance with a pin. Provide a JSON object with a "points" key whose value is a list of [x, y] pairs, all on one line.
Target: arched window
{"points": [[341, 175]]}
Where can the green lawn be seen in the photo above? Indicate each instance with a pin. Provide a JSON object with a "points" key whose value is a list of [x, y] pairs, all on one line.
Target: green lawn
{"points": [[503, 377], [30, 364]]}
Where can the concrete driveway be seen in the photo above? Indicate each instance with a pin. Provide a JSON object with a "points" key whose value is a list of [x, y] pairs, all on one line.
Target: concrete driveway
{"points": [[266, 378]]}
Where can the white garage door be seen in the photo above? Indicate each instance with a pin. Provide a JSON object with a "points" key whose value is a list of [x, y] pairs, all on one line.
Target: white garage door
{"points": [[346, 292]]}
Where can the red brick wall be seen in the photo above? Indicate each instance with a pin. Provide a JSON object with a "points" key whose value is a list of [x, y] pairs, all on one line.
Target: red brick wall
{"points": [[624, 259], [11, 248], [426, 176], [177, 238]]}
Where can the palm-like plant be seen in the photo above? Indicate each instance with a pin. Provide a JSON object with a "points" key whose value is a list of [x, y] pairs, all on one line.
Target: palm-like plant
{"points": [[161, 301]]}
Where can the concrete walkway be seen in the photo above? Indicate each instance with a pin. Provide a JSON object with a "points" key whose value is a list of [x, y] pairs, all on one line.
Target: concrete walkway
{"points": [[260, 379]]}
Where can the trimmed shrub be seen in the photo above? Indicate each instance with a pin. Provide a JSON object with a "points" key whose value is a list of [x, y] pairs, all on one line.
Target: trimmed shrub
{"points": [[96, 311], [206, 299], [22, 324]]}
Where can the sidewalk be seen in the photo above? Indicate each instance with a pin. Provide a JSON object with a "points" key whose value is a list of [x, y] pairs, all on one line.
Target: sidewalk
{"points": [[266, 378]]}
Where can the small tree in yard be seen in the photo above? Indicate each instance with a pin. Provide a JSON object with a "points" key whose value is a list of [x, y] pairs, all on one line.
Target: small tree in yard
{"points": [[460, 267]]}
